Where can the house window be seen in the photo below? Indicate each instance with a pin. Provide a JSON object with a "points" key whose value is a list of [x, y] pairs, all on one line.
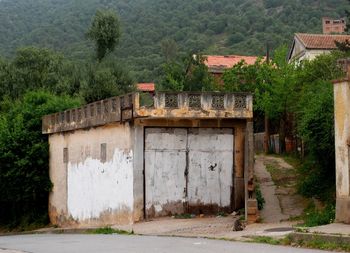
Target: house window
{"points": [[65, 155], [103, 152]]}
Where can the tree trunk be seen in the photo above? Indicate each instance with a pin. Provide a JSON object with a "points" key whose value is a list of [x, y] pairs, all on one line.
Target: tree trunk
{"points": [[267, 135], [282, 135]]}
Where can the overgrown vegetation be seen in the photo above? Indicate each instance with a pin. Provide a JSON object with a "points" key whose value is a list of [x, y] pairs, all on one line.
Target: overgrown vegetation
{"points": [[24, 155], [109, 230], [314, 217]]}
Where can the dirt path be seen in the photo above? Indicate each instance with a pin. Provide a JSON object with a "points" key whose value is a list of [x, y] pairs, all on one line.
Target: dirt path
{"points": [[278, 181]]}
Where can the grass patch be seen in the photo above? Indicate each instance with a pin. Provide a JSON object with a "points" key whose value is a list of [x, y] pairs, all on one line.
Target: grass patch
{"points": [[109, 230], [316, 243], [281, 176], [267, 240], [292, 160]]}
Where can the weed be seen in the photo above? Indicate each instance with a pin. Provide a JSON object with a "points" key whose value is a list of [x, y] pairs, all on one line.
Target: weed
{"points": [[259, 197], [318, 243], [266, 239], [315, 243], [109, 230], [184, 216], [281, 176]]}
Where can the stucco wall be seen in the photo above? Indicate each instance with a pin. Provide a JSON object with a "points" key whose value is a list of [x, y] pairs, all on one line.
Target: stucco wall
{"points": [[342, 135], [87, 189]]}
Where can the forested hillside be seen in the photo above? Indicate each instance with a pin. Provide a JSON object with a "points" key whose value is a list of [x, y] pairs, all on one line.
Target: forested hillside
{"points": [[150, 28]]}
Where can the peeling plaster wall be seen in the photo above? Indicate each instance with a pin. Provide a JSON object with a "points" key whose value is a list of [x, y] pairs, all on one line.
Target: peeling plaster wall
{"points": [[342, 138], [95, 188], [87, 190]]}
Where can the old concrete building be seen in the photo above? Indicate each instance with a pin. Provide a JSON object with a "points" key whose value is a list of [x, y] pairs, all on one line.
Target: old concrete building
{"points": [[342, 143], [128, 158]]}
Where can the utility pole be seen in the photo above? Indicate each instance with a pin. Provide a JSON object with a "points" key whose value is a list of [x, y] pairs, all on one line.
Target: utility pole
{"points": [[267, 125]]}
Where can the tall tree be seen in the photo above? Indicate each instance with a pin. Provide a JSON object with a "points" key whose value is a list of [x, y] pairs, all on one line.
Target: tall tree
{"points": [[190, 74], [105, 32]]}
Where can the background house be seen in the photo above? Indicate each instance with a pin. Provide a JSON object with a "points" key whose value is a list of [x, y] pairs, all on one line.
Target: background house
{"points": [[307, 46], [217, 64], [146, 87]]}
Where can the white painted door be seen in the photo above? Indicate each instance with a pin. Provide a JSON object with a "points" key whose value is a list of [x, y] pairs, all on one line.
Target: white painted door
{"points": [[210, 170], [165, 165], [188, 170]]}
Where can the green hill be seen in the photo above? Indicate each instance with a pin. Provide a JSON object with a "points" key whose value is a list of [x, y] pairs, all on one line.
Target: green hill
{"points": [[208, 26]]}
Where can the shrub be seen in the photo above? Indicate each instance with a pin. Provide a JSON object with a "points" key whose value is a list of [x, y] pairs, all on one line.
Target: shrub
{"points": [[24, 173], [314, 217]]}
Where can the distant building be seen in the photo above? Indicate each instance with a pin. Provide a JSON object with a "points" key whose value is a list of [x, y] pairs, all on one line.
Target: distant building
{"points": [[308, 46], [146, 87], [217, 64], [333, 25]]}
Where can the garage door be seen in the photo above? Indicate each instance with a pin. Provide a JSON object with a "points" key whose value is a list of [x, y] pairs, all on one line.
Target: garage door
{"points": [[188, 170]]}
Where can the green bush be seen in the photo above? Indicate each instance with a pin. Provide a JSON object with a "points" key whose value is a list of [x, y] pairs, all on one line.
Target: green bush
{"points": [[24, 173]]}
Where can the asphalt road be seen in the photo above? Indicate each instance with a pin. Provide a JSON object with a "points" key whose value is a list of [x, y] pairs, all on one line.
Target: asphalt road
{"points": [[65, 243]]}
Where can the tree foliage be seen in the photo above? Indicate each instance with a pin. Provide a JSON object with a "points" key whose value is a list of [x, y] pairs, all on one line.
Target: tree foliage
{"points": [[24, 157], [189, 74], [299, 98], [105, 32], [207, 27]]}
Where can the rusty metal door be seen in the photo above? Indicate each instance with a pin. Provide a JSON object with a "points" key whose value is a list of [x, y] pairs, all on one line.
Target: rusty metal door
{"points": [[210, 170], [188, 170], [165, 165]]}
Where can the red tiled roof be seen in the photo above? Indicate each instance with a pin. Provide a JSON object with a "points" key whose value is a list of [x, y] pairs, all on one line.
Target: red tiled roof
{"points": [[227, 61], [321, 41], [146, 86]]}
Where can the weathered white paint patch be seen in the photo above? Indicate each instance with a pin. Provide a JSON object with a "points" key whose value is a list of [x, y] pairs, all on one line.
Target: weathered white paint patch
{"points": [[95, 187]]}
